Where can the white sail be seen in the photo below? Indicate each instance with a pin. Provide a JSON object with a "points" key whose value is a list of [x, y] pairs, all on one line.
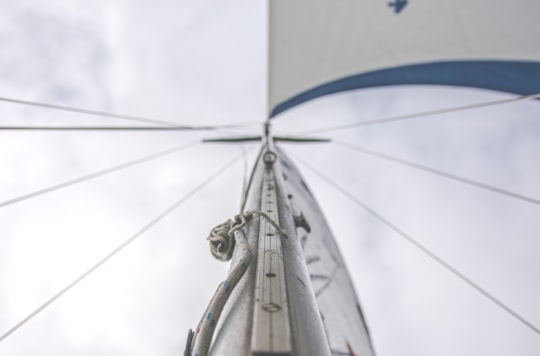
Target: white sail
{"points": [[197, 62], [319, 47]]}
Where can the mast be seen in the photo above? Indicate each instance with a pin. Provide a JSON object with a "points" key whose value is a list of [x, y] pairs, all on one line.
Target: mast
{"points": [[274, 308]]}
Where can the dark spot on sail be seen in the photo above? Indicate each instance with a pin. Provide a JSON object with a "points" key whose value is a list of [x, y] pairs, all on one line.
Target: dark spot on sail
{"points": [[359, 309], [300, 221], [350, 350], [321, 277], [285, 163], [305, 186], [303, 241], [271, 307]]}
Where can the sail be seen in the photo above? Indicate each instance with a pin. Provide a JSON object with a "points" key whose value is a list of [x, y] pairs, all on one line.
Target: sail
{"points": [[344, 324], [320, 47]]}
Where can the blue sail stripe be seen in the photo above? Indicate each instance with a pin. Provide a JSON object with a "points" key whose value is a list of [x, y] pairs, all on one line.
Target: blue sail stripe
{"points": [[517, 77]]}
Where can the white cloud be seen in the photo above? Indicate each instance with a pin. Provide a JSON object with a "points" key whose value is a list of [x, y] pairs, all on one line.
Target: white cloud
{"points": [[204, 62]]}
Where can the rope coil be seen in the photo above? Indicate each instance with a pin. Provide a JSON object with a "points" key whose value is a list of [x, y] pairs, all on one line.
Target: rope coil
{"points": [[222, 236], [222, 244]]}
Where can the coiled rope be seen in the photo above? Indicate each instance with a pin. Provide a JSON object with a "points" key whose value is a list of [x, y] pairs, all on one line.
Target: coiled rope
{"points": [[222, 244]]}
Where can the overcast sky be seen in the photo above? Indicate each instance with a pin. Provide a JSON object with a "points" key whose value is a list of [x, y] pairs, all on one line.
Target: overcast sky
{"points": [[204, 62]]}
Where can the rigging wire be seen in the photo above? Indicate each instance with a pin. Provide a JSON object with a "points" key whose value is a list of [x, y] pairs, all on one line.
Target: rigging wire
{"points": [[113, 115], [96, 174], [423, 248], [122, 128], [245, 175], [438, 172], [421, 114], [251, 176], [119, 248]]}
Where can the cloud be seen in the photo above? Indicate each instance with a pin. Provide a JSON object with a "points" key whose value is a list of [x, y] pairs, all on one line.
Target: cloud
{"points": [[204, 62]]}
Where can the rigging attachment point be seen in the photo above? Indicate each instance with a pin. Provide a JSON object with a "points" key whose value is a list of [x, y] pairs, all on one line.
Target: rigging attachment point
{"points": [[269, 158], [300, 221]]}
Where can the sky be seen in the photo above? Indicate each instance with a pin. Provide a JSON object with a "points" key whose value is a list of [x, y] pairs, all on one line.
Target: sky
{"points": [[204, 63]]}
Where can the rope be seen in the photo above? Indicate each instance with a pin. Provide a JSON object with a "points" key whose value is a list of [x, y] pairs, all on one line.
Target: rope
{"points": [[123, 128], [118, 249], [245, 180], [440, 173], [422, 114], [170, 125], [88, 112], [223, 239], [425, 250], [95, 174]]}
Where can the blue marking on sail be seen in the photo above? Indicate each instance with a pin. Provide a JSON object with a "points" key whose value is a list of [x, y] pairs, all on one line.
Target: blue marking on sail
{"points": [[398, 5], [517, 77]]}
